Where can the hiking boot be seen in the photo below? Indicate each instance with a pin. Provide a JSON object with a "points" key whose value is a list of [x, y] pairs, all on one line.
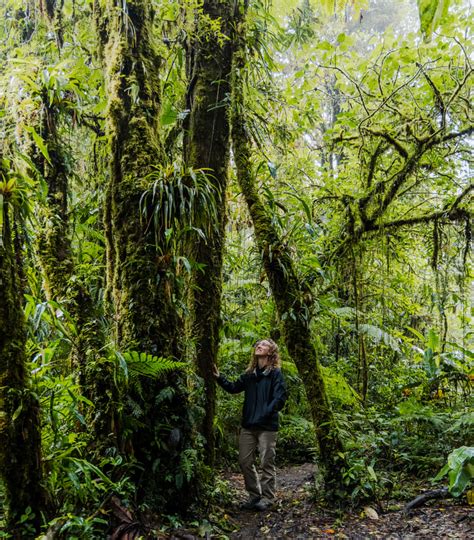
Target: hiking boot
{"points": [[263, 504], [250, 504]]}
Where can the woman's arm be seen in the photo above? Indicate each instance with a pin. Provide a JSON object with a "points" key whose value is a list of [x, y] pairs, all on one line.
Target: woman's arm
{"points": [[233, 387]]}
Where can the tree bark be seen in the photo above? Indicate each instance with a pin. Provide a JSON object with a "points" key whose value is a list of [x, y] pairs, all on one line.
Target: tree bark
{"points": [[291, 297], [141, 280], [207, 147], [20, 433], [53, 238]]}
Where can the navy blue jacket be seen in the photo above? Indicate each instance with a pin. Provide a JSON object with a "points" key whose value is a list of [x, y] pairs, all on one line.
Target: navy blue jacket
{"points": [[265, 395]]}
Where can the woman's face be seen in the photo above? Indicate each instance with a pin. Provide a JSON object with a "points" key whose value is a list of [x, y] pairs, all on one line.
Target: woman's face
{"points": [[262, 348]]}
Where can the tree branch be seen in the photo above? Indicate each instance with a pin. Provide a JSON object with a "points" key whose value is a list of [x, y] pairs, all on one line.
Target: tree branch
{"points": [[373, 161], [438, 97], [397, 145], [468, 131], [93, 123], [453, 213]]}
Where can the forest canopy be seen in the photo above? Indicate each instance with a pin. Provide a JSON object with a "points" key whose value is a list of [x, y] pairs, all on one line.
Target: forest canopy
{"points": [[179, 179]]}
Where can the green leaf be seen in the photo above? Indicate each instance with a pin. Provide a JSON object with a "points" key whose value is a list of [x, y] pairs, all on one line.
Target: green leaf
{"points": [[458, 456], [415, 332], [458, 480], [141, 363], [431, 13], [39, 141], [123, 364], [186, 263], [460, 469], [433, 339], [371, 472], [17, 412], [272, 168], [378, 335], [169, 115], [442, 472]]}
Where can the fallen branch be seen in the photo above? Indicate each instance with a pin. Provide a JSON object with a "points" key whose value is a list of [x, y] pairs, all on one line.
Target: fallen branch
{"points": [[442, 493]]}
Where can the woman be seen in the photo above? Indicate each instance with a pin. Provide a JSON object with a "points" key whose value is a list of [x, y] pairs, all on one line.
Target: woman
{"points": [[265, 395]]}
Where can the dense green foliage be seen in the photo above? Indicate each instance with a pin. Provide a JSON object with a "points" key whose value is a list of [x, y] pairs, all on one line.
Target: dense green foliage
{"points": [[133, 257]]}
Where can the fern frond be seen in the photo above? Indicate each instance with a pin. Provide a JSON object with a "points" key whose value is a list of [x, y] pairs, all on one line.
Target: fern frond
{"points": [[141, 363], [379, 335], [135, 410]]}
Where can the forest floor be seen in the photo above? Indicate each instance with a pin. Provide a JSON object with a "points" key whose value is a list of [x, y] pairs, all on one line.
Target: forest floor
{"points": [[296, 516]]}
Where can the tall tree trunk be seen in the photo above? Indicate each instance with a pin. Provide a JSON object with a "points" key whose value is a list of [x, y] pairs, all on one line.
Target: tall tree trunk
{"points": [[20, 434], [291, 297], [141, 284], [207, 146]]}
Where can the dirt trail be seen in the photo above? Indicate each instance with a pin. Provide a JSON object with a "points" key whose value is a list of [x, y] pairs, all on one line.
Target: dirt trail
{"points": [[296, 517]]}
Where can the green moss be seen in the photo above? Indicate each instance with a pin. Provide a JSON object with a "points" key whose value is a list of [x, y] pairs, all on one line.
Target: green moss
{"points": [[208, 147], [20, 444], [141, 288]]}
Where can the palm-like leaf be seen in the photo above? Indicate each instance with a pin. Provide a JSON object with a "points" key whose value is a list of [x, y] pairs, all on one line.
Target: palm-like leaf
{"points": [[141, 363]]}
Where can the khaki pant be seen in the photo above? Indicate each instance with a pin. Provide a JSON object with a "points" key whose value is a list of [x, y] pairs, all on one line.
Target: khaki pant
{"points": [[265, 441]]}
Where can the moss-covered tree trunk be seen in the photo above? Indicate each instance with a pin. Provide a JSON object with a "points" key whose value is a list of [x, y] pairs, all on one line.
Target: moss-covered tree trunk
{"points": [[53, 236], [291, 297], [20, 435], [207, 146], [133, 90], [141, 286]]}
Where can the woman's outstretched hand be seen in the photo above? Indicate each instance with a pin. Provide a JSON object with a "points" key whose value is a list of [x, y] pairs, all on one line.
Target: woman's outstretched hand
{"points": [[215, 371]]}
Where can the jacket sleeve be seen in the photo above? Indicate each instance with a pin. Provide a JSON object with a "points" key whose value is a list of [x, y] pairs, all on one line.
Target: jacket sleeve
{"points": [[279, 393], [233, 387]]}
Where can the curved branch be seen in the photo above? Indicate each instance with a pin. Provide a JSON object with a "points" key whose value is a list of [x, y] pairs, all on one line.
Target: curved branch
{"points": [[397, 145], [453, 213], [468, 131], [438, 97], [442, 493], [409, 166], [93, 123], [373, 161]]}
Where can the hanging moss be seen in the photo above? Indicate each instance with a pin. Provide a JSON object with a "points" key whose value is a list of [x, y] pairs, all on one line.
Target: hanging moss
{"points": [[20, 439], [53, 239]]}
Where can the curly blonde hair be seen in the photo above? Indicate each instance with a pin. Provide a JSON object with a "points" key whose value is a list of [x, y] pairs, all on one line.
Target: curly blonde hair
{"points": [[273, 355]]}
